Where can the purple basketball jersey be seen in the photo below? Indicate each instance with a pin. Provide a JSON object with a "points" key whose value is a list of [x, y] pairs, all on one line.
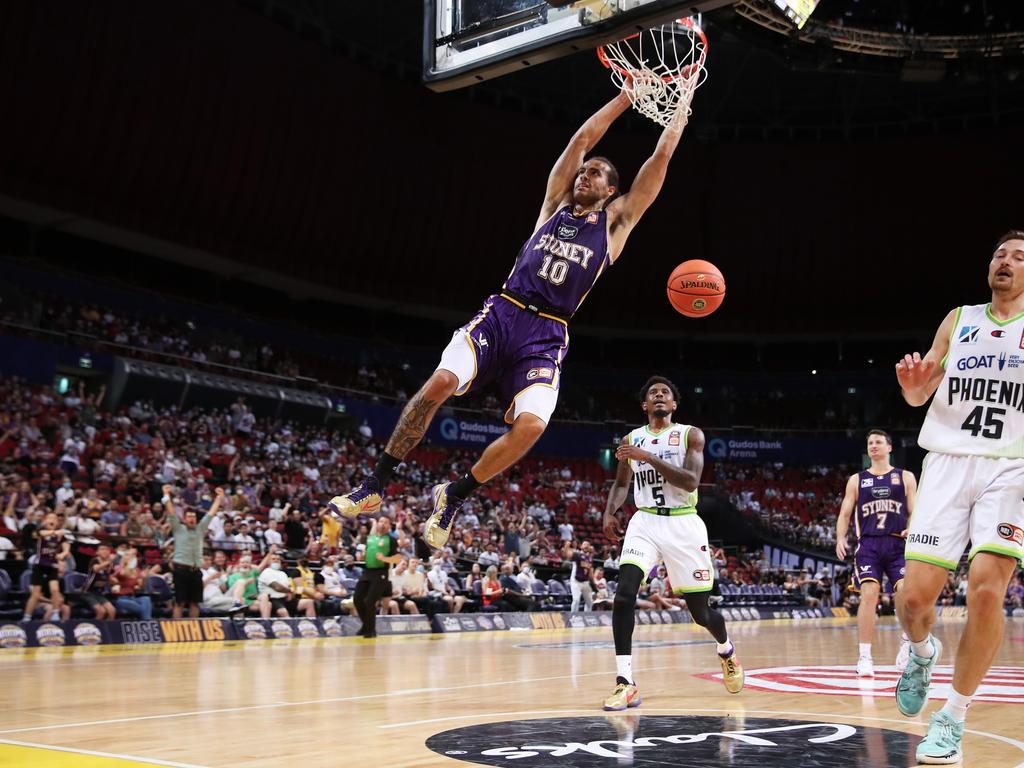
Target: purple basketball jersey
{"points": [[881, 504], [562, 260]]}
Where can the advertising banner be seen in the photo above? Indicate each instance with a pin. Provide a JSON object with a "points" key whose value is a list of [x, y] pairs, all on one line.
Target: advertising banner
{"points": [[759, 448], [170, 631], [793, 559], [49, 634]]}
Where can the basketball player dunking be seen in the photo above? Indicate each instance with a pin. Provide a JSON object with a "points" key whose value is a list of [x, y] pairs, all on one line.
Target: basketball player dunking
{"points": [[880, 500], [972, 484], [520, 337], [664, 461]]}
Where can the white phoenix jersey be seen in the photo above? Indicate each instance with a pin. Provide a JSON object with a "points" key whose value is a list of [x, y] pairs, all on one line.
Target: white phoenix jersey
{"points": [[978, 409], [650, 489]]}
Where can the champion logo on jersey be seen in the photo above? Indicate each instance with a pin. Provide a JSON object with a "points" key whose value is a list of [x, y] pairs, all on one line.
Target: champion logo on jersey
{"points": [[654, 441], [969, 334], [539, 373], [998, 333]]}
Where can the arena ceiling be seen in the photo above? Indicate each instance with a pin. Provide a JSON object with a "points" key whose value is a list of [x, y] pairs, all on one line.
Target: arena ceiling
{"points": [[291, 143]]}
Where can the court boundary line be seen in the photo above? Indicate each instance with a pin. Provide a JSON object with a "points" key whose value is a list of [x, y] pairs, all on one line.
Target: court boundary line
{"points": [[93, 753]]}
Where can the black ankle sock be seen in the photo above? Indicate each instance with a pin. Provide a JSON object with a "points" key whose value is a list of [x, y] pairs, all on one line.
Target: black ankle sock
{"points": [[620, 680], [385, 467], [464, 486]]}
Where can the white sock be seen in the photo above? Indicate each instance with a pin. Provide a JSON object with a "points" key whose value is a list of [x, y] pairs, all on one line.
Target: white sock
{"points": [[904, 638], [956, 705], [865, 650], [726, 648], [624, 668], [924, 648]]}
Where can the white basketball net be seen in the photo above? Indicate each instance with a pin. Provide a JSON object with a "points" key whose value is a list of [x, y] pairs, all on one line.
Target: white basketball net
{"points": [[659, 69]]}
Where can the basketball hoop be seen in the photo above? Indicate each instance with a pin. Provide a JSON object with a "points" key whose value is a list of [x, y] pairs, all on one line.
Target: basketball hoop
{"points": [[659, 69]]}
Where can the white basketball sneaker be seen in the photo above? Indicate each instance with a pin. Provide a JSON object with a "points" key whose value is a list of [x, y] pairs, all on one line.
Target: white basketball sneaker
{"points": [[865, 667], [903, 656]]}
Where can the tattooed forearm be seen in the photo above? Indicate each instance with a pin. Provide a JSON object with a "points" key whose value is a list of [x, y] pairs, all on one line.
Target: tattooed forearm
{"points": [[412, 425]]}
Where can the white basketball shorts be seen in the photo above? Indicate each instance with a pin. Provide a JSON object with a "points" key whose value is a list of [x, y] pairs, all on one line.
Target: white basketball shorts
{"points": [[961, 498], [680, 540]]}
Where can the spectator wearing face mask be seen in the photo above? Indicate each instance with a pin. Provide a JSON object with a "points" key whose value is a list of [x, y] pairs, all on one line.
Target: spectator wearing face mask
{"points": [[277, 594], [334, 591], [65, 493], [439, 589]]}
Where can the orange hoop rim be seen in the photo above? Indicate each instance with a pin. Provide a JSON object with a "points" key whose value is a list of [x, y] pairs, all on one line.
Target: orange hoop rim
{"points": [[686, 71]]}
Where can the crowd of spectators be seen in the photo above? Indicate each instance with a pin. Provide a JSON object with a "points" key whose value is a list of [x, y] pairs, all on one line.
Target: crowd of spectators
{"points": [[114, 480], [117, 479], [794, 505]]}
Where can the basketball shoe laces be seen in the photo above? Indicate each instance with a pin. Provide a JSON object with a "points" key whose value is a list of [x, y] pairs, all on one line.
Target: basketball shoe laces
{"points": [[730, 663], [946, 737], [450, 509], [365, 489], [916, 681]]}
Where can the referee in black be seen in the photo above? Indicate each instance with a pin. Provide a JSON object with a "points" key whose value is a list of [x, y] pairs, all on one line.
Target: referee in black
{"points": [[381, 551]]}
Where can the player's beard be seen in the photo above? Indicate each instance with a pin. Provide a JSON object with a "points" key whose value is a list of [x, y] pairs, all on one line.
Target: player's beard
{"points": [[661, 412]]}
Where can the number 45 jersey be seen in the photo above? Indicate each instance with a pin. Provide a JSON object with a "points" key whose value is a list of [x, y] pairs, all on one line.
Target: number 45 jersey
{"points": [[978, 409], [650, 490]]}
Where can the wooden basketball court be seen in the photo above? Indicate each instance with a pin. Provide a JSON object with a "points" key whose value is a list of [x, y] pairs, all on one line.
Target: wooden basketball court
{"points": [[486, 698]]}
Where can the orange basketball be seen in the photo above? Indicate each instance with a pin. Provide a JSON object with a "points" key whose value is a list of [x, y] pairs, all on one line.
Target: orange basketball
{"points": [[696, 288]]}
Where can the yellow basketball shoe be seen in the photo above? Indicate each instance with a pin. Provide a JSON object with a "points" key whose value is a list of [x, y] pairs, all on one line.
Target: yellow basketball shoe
{"points": [[624, 696], [439, 524], [364, 499], [732, 673]]}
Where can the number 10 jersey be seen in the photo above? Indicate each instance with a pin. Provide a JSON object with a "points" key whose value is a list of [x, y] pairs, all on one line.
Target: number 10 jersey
{"points": [[978, 408]]}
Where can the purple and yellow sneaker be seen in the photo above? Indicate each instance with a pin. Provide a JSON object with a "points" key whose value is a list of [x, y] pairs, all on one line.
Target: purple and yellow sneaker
{"points": [[364, 499], [439, 524]]}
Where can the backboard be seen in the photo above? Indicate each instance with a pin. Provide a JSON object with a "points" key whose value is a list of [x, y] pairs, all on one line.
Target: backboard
{"points": [[469, 41]]}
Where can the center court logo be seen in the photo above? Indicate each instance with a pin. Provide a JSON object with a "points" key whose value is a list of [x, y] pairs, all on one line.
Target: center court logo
{"points": [[687, 742]]}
